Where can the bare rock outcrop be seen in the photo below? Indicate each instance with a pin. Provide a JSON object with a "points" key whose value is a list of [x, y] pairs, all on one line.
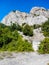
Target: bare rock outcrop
{"points": [[37, 15]]}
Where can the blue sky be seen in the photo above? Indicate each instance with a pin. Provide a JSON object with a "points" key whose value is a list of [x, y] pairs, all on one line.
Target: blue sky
{"points": [[23, 5]]}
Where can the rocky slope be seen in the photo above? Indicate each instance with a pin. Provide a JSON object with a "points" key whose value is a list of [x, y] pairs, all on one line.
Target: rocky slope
{"points": [[37, 15], [25, 59]]}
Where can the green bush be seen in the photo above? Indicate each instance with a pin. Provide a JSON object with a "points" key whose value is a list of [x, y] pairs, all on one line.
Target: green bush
{"points": [[35, 26], [19, 46], [45, 28], [44, 46], [12, 40], [15, 27], [28, 30], [2, 25]]}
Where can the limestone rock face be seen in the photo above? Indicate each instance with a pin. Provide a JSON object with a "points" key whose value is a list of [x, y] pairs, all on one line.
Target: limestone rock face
{"points": [[37, 15], [14, 17], [40, 11]]}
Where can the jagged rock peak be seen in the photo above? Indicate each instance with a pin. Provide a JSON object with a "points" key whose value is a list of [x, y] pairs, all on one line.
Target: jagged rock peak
{"points": [[37, 9], [37, 15]]}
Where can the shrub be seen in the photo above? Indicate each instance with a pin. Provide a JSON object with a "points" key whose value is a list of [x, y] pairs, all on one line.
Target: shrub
{"points": [[23, 24], [45, 28], [15, 27], [2, 25], [35, 26], [28, 30], [44, 46], [18, 46], [12, 40]]}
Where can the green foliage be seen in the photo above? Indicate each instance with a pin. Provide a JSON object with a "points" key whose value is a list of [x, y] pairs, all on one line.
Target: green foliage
{"points": [[4, 39], [2, 25], [35, 26], [45, 28], [28, 30], [18, 46], [23, 24], [15, 27], [11, 40], [19, 27], [44, 46]]}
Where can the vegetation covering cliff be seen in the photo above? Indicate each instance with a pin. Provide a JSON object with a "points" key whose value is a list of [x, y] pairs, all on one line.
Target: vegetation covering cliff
{"points": [[11, 40], [34, 26]]}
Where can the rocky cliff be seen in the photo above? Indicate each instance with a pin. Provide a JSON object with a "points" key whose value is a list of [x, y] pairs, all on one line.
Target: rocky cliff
{"points": [[37, 15]]}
